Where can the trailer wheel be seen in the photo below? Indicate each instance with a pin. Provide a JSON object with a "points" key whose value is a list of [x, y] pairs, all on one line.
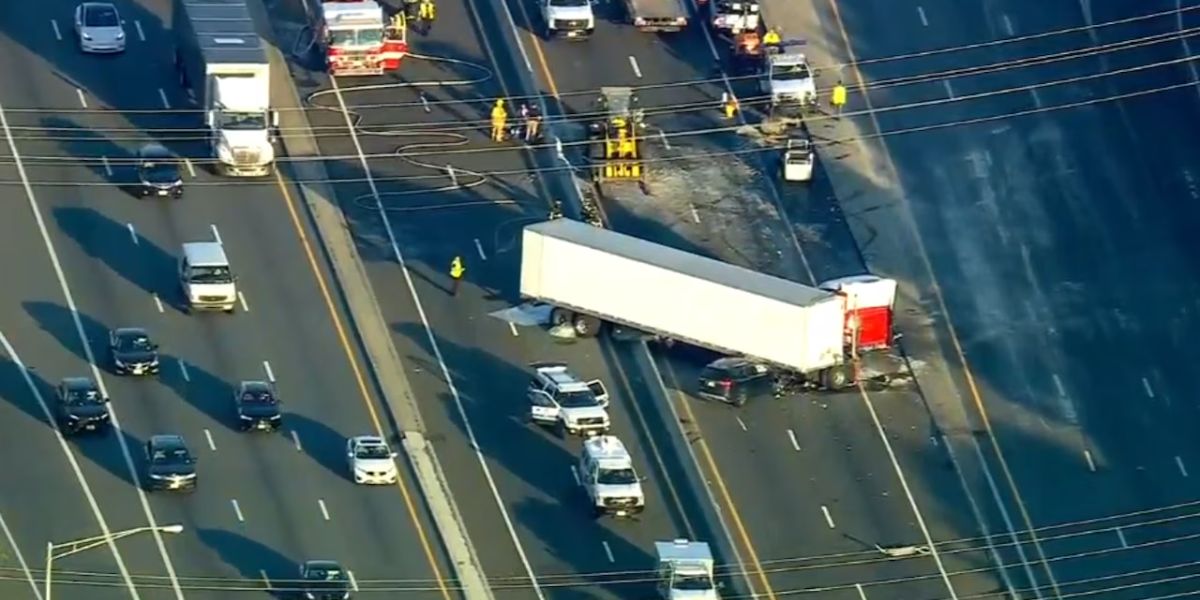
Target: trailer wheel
{"points": [[587, 325], [560, 316], [835, 378]]}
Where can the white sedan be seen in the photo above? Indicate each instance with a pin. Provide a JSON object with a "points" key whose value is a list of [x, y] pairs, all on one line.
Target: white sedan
{"points": [[99, 28], [372, 462]]}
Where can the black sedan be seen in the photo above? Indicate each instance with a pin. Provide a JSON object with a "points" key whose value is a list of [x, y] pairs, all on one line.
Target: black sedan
{"points": [[257, 406], [81, 407], [169, 464], [158, 173], [133, 352], [324, 580]]}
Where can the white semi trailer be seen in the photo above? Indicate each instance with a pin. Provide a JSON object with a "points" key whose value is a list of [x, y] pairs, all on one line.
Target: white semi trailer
{"points": [[593, 276], [221, 58]]}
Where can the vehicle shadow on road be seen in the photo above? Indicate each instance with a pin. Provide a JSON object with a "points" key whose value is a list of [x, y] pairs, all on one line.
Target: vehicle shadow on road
{"points": [[15, 389], [251, 559], [59, 322], [144, 264], [204, 390], [320, 442]]}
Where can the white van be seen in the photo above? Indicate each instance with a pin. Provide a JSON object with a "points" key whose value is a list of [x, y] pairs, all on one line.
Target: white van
{"points": [[208, 282], [607, 475]]}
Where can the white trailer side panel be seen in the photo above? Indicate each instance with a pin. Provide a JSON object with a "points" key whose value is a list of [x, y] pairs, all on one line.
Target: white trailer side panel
{"points": [[688, 297]]}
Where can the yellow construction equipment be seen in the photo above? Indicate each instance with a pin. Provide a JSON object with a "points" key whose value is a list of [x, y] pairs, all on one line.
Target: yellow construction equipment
{"points": [[616, 149]]}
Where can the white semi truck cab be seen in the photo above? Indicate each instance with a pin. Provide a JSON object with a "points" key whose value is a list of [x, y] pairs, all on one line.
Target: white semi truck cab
{"points": [[685, 571], [223, 61], [572, 19]]}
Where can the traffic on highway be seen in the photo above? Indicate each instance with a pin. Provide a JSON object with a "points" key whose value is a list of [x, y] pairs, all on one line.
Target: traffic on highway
{"points": [[686, 299]]}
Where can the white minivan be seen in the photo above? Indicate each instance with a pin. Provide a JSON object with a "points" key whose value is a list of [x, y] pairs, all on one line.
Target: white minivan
{"points": [[207, 280]]}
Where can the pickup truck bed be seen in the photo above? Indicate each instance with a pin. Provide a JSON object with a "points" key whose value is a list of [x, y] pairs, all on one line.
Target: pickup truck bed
{"points": [[658, 15]]}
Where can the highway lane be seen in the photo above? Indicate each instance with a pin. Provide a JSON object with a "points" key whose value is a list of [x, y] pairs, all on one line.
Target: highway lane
{"points": [[1034, 227], [837, 462], [487, 360], [284, 485]]}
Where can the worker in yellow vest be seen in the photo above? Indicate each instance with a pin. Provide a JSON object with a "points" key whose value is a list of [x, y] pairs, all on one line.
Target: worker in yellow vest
{"points": [[838, 98], [426, 12], [499, 118], [730, 104], [772, 40], [457, 270]]}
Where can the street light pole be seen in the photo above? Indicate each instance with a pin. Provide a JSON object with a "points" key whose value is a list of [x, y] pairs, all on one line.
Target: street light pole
{"points": [[65, 549]]}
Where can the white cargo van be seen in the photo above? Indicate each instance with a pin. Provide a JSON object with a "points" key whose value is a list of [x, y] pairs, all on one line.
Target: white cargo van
{"points": [[607, 475], [207, 280]]}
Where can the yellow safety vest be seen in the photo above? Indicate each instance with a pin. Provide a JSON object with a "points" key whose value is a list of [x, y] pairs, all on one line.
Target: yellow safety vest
{"points": [[456, 268], [499, 115], [839, 95], [426, 10], [771, 38]]}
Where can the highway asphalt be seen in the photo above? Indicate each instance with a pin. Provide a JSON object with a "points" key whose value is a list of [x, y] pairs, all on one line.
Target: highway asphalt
{"points": [[1060, 241], [264, 502]]}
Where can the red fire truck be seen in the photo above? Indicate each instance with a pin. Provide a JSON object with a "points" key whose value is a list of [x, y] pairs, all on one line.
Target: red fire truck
{"points": [[358, 39]]}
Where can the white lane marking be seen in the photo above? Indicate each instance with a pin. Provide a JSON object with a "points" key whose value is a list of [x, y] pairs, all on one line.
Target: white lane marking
{"points": [[1091, 462], [237, 510], [1058, 385], [162, 95], [608, 552], [695, 213], [984, 527], [636, 69], [662, 135], [141, 33], [107, 167], [921, 13], [270, 373], [353, 580], [242, 301], [828, 517], [575, 475], [132, 234], [741, 424], [1008, 25], [1182, 467], [949, 90], [82, 98], [212, 444], [57, 31], [1146, 386], [479, 247], [216, 235], [159, 304], [1037, 99], [12, 543], [862, 594], [60, 275], [266, 580], [191, 169], [1121, 537], [792, 436], [459, 407], [296, 440], [324, 510], [513, 329], [183, 370]]}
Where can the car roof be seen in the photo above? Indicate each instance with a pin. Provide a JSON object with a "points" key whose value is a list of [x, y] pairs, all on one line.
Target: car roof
{"points": [[167, 440], [369, 440], [78, 383], [205, 254], [327, 565], [154, 151], [562, 377], [256, 385], [131, 331]]}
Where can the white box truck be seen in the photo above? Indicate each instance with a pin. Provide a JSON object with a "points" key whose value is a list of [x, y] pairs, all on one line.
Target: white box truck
{"points": [[593, 276], [222, 60], [658, 16]]}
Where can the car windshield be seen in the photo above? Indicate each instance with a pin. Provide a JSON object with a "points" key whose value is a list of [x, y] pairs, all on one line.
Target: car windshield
{"points": [[244, 121], [572, 3], [82, 397], [692, 582], [580, 399], [616, 477], [135, 342], [373, 451], [172, 456], [210, 275], [792, 73], [326, 575], [263, 397], [160, 172], [101, 16]]}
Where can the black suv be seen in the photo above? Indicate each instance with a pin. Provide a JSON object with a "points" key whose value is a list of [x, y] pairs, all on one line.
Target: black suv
{"points": [[257, 406], [158, 172], [735, 380], [324, 580], [133, 352], [81, 407], [169, 464]]}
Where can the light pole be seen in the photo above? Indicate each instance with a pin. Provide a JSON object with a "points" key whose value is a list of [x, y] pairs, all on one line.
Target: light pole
{"points": [[64, 549]]}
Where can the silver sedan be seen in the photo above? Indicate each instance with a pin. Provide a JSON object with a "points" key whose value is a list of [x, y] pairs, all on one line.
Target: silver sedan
{"points": [[99, 28]]}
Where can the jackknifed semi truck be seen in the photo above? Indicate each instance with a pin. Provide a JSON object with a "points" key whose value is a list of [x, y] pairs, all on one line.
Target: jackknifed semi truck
{"points": [[221, 59], [596, 278]]}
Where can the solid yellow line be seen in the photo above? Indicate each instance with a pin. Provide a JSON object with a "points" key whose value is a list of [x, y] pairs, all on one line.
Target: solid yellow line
{"points": [[721, 487], [363, 388], [977, 398], [537, 49]]}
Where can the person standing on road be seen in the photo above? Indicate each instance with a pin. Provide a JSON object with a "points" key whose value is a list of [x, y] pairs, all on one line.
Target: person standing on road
{"points": [[838, 98], [499, 118], [533, 123], [457, 270], [427, 12]]}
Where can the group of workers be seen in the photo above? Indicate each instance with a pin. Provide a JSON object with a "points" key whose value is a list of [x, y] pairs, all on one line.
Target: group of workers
{"points": [[423, 12], [531, 119]]}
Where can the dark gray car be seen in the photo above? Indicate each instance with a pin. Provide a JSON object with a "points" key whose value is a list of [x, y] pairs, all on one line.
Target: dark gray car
{"points": [[81, 406], [257, 406], [158, 172], [169, 464], [324, 580], [133, 352]]}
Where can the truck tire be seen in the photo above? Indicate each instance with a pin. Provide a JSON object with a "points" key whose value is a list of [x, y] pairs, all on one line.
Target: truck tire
{"points": [[587, 325], [836, 378], [561, 316]]}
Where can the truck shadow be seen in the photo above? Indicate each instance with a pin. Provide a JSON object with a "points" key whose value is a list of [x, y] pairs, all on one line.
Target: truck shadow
{"points": [[250, 559]]}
